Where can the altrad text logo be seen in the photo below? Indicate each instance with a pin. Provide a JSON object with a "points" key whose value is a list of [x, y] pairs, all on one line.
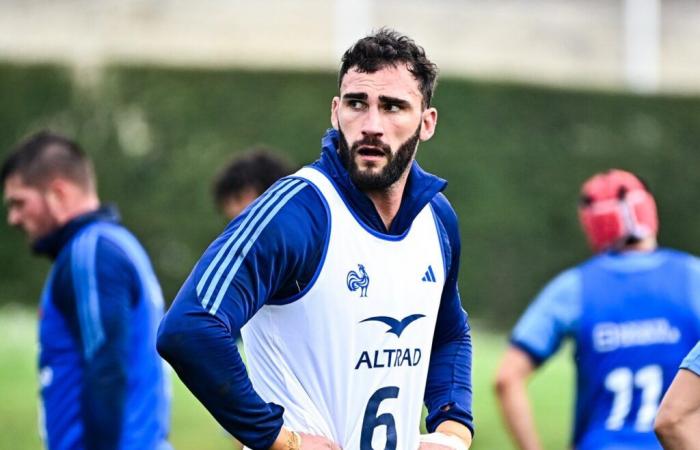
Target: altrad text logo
{"points": [[390, 357]]}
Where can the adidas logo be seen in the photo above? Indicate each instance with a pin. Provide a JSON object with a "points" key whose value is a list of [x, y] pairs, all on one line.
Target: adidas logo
{"points": [[429, 275]]}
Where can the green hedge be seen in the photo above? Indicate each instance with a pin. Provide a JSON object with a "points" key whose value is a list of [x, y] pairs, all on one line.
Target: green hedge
{"points": [[514, 155]]}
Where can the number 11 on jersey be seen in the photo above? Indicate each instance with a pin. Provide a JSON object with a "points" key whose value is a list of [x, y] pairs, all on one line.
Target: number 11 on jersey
{"points": [[621, 382]]}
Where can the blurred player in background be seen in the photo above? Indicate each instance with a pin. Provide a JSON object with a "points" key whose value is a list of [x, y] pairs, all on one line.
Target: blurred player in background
{"points": [[246, 177], [633, 312], [678, 421], [345, 277], [103, 385]]}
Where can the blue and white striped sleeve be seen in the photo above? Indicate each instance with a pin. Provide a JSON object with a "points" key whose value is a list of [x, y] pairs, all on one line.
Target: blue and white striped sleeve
{"points": [[552, 316], [223, 261], [692, 361], [268, 254], [105, 286]]}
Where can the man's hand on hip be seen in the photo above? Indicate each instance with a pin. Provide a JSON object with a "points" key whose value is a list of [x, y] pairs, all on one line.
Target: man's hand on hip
{"points": [[291, 440], [311, 442]]}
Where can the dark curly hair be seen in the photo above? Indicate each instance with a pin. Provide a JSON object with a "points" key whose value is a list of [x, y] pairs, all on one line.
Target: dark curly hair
{"points": [[257, 168], [387, 47]]}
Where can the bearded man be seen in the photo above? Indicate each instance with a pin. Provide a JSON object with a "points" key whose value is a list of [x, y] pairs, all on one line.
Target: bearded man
{"points": [[342, 279]]}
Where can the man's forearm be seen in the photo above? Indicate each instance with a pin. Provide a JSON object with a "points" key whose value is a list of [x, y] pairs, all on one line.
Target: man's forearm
{"points": [[511, 390], [680, 435], [678, 418], [205, 357], [448, 392], [103, 403], [517, 413]]}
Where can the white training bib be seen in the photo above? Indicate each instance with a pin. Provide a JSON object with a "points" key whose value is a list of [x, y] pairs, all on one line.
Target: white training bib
{"points": [[349, 359]]}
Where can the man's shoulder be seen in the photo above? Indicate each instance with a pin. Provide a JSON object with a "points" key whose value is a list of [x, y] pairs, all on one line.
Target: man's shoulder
{"points": [[291, 201], [289, 212], [104, 246], [442, 206], [680, 255], [445, 213], [564, 288], [305, 197], [100, 254], [111, 238], [566, 282]]}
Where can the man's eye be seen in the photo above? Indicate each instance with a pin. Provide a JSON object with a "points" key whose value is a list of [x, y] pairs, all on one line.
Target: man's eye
{"points": [[392, 107], [356, 104]]}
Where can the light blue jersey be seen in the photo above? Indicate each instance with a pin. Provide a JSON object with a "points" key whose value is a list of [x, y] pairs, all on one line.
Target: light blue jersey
{"points": [[633, 317], [692, 361]]}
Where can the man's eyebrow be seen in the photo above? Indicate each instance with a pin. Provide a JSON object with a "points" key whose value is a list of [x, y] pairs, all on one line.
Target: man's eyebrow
{"points": [[394, 100], [355, 96]]}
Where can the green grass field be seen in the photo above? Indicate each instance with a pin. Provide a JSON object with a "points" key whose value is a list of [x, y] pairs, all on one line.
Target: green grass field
{"points": [[193, 428]]}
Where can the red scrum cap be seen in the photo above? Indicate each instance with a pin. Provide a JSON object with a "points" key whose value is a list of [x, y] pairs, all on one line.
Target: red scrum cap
{"points": [[615, 207]]}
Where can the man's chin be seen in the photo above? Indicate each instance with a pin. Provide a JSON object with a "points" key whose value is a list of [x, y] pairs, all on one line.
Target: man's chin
{"points": [[32, 238], [370, 168]]}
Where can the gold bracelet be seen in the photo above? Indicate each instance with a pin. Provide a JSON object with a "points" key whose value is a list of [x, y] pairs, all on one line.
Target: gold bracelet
{"points": [[293, 441]]}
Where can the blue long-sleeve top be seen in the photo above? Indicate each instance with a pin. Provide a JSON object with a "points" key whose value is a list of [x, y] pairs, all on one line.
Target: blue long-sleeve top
{"points": [[279, 265], [102, 382]]}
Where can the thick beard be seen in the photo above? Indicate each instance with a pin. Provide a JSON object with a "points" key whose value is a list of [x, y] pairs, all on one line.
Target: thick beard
{"points": [[395, 167]]}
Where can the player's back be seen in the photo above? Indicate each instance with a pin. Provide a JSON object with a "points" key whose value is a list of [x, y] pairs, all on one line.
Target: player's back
{"points": [[147, 411], [62, 347], [637, 322]]}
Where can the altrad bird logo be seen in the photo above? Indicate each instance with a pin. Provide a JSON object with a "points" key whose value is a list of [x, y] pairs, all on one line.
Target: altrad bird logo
{"points": [[357, 281], [395, 326]]}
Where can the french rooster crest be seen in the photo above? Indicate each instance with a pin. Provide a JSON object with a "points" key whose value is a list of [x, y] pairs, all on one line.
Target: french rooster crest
{"points": [[358, 281]]}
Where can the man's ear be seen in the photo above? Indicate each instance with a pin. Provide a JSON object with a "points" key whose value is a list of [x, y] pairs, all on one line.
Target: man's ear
{"points": [[428, 123], [55, 192], [335, 103]]}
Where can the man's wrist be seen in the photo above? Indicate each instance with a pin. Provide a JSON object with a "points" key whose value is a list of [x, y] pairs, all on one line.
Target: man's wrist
{"points": [[287, 440], [293, 441], [453, 428]]}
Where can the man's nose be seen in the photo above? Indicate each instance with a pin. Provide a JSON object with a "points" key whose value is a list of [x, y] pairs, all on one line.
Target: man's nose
{"points": [[13, 218], [372, 124]]}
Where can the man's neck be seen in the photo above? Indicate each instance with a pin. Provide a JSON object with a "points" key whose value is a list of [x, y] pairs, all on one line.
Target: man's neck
{"points": [[84, 206], [388, 201], [647, 244]]}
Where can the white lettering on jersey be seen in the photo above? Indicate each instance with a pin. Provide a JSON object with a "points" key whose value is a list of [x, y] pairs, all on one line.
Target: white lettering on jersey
{"points": [[610, 336]]}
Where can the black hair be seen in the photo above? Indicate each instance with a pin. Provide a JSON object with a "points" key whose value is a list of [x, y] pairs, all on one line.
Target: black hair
{"points": [[258, 169], [46, 155], [387, 47]]}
